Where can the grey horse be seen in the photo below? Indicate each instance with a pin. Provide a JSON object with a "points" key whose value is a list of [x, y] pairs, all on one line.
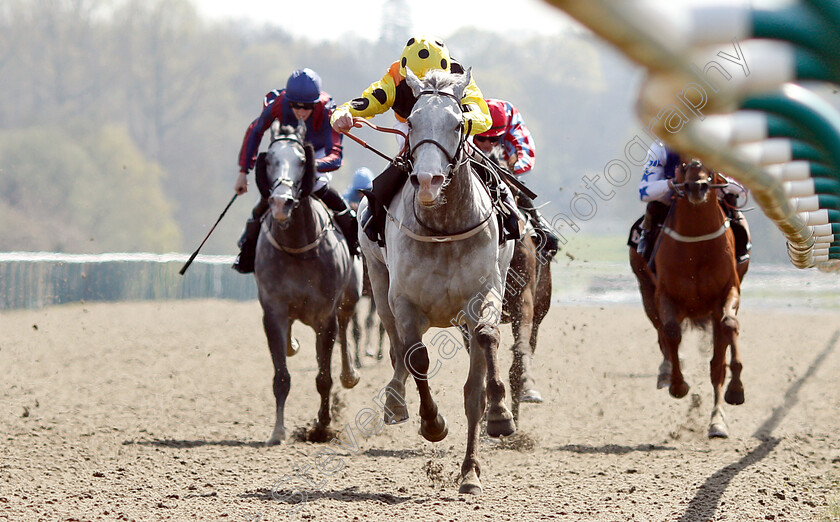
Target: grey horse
{"points": [[304, 271], [442, 266]]}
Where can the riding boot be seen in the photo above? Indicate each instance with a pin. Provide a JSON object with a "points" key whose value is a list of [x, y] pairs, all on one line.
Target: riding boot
{"points": [[345, 218], [655, 214], [244, 262], [740, 228], [385, 187], [549, 241]]}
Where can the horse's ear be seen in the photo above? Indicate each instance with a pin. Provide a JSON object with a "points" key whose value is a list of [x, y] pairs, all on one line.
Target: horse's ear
{"points": [[275, 129], [307, 182], [461, 86], [413, 82], [301, 130]]}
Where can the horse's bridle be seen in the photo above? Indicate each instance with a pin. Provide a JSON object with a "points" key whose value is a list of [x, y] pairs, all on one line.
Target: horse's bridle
{"points": [[679, 192], [288, 182], [453, 159], [679, 188]]}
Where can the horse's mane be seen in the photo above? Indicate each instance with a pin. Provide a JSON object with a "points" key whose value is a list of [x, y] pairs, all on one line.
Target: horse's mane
{"points": [[438, 79]]}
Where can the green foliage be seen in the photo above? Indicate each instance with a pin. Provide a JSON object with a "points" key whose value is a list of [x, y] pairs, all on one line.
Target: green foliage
{"points": [[94, 193], [168, 96]]}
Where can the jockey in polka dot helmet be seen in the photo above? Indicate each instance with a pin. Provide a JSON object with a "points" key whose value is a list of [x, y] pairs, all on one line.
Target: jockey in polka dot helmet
{"points": [[421, 54]]}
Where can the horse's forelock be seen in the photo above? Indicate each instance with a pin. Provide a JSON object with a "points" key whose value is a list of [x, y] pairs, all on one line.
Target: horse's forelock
{"points": [[439, 80]]}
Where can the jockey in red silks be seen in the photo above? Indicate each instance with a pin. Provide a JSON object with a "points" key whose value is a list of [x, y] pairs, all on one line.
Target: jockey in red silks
{"points": [[420, 55], [516, 144], [302, 99]]}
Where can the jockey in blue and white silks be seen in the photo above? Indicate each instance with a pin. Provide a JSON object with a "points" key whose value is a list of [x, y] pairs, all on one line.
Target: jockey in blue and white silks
{"points": [[656, 190]]}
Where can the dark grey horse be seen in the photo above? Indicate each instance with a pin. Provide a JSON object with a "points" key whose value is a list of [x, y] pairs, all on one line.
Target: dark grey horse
{"points": [[304, 271]]}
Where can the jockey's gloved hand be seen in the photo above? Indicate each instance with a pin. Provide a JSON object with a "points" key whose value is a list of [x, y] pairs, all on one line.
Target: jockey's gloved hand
{"points": [[731, 200]]}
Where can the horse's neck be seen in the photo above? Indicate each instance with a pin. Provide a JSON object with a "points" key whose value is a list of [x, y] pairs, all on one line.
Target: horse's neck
{"points": [[697, 220], [305, 225], [462, 204]]}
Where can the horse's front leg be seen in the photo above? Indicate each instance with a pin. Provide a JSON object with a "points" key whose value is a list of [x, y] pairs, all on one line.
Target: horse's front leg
{"points": [[670, 336], [324, 342], [731, 329], [725, 332], [277, 328], [475, 402], [415, 357], [717, 374]]}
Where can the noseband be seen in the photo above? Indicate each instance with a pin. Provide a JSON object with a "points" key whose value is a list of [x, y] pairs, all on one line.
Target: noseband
{"points": [[452, 158]]}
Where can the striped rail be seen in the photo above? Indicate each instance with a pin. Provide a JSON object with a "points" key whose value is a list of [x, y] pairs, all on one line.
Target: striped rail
{"points": [[767, 127]]}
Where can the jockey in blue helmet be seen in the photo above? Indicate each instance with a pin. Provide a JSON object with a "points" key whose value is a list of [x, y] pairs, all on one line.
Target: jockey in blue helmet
{"points": [[362, 180], [301, 100]]}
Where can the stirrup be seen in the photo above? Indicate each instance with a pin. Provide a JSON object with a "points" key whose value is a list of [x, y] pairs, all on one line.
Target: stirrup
{"points": [[243, 267]]}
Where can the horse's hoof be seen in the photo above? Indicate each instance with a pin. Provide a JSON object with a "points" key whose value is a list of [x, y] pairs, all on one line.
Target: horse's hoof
{"points": [[277, 438], [293, 348], [532, 396], [500, 422], [350, 380], [357, 363], [434, 431], [470, 484], [734, 397], [392, 417], [718, 431], [680, 391]]}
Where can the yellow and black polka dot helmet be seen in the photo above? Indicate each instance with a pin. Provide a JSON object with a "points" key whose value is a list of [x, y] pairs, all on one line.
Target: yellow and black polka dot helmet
{"points": [[423, 54]]}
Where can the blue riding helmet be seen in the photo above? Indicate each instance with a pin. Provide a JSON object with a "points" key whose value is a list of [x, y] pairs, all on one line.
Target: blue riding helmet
{"points": [[362, 179], [303, 86]]}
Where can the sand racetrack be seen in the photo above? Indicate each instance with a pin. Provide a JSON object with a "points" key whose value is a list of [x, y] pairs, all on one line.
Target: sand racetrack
{"points": [[159, 410]]}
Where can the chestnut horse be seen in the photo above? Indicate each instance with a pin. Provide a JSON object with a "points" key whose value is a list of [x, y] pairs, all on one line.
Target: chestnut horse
{"points": [[697, 278], [526, 303]]}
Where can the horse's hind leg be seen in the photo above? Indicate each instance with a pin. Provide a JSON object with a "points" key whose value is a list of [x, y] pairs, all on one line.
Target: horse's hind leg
{"points": [[394, 405], [357, 337], [499, 419], [349, 374], [277, 327], [648, 289], [370, 323], [324, 342]]}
